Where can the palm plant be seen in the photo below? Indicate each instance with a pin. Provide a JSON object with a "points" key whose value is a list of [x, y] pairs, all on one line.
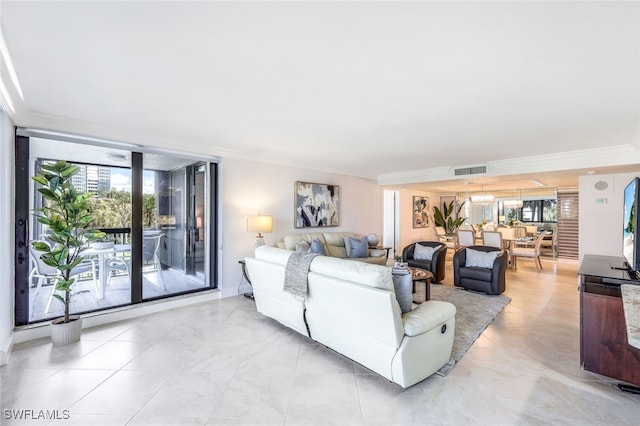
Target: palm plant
{"points": [[446, 217], [66, 213]]}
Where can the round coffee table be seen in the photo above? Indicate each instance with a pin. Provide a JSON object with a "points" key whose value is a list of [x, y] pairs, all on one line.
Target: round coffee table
{"points": [[418, 274]]}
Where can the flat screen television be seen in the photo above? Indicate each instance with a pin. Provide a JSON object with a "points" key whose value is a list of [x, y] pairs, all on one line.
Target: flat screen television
{"points": [[631, 227]]}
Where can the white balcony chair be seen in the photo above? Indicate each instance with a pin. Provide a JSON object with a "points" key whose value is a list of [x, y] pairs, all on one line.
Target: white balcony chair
{"points": [[150, 259], [44, 272]]}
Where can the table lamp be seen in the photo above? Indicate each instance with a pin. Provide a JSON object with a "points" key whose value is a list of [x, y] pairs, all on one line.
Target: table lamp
{"points": [[259, 224]]}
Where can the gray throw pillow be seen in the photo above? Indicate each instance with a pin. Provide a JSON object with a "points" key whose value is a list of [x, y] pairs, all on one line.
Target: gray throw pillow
{"points": [[403, 286], [302, 246], [357, 247], [481, 259], [421, 252], [317, 247]]}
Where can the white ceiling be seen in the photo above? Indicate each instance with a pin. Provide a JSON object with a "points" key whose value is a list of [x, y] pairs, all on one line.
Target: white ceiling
{"points": [[397, 92]]}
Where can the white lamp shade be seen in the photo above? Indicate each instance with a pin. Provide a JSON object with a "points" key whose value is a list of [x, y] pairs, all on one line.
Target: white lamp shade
{"points": [[259, 224]]}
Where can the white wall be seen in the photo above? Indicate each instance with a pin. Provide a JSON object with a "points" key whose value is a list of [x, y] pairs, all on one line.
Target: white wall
{"points": [[7, 234], [249, 188], [600, 229]]}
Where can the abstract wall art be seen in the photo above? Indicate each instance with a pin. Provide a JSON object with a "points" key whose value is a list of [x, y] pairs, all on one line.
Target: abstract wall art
{"points": [[420, 212], [316, 205]]}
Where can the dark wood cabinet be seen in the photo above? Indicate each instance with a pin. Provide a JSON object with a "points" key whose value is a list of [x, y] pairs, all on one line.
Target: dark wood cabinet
{"points": [[604, 348]]}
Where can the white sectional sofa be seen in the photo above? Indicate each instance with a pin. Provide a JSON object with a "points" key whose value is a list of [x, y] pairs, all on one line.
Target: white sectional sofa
{"points": [[334, 245], [351, 308]]}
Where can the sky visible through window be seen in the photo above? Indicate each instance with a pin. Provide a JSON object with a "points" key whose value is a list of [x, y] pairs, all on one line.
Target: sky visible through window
{"points": [[121, 180]]}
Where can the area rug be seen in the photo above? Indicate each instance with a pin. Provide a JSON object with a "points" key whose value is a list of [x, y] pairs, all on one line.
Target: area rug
{"points": [[474, 313]]}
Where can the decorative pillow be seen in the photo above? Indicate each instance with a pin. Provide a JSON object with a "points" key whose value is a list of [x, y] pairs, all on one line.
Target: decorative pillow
{"points": [[357, 247], [317, 247], [302, 246], [403, 286], [421, 252], [480, 258]]}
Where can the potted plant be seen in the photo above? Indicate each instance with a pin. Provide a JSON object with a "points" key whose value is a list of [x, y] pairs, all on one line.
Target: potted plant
{"points": [[446, 218], [399, 262], [66, 214]]}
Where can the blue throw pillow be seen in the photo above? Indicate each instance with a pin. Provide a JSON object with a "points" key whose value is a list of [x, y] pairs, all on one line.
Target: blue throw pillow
{"points": [[357, 247], [317, 247]]}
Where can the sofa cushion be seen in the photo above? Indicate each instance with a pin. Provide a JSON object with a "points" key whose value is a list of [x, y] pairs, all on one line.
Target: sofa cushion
{"points": [[358, 272], [335, 243], [481, 259], [272, 254], [357, 247], [475, 273], [419, 263], [291, 240], [317, 247], [421, 252]]}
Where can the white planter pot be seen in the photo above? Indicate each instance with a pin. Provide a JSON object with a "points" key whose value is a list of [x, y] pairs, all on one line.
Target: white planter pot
{"points": [[63, 334]]}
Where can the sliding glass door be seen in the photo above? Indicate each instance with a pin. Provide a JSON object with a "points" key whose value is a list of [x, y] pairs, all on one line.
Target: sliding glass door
{"points": [[175, 213], [152, 206]]}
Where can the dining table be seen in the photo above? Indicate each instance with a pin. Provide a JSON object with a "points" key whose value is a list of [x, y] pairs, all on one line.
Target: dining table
{"points": [[103, 255]]}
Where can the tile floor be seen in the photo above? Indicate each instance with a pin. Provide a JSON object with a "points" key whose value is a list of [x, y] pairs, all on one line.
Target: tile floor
{"points": [[221, 363], [117, 293]]}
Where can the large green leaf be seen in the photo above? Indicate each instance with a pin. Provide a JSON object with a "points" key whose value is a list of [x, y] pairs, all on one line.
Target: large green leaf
{"points": [[69, 171], [41, 180], [48, 194], [41, 246]]}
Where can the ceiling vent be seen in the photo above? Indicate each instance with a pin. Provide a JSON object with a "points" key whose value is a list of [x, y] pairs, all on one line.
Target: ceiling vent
{"points": [[470, 170]]}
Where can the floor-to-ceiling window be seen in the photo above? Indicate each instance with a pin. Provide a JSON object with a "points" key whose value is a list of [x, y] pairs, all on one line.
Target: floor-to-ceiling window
{"points": [[155, 209]]}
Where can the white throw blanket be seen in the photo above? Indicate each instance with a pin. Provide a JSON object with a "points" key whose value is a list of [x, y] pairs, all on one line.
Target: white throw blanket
{"points": [[295, 273]]}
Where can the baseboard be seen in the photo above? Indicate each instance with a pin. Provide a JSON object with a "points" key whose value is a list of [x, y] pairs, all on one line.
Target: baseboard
{"points": [[6, 350], [41, 330]]}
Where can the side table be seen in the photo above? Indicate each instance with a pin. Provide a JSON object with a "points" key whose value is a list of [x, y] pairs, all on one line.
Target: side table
{"points": [[418, 274], [383, 248], [245, 274]]}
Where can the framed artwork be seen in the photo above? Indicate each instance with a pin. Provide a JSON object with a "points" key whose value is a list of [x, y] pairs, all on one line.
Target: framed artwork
{"points": [[316, 205], [420, 212]]}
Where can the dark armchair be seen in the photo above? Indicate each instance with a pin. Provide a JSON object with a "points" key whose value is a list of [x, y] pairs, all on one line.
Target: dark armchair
{"points": [[487, 280], [435, 265]]}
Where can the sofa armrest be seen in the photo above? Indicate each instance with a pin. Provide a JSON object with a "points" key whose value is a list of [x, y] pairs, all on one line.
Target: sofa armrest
{"points": [[425, 317]]}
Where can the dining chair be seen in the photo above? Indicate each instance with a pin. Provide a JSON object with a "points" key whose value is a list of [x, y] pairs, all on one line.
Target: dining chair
{"points": [[550, 241], [530, 252], [466, 238], [532, 230], [519, 231], [507, 241], [492, 239], [445, 239], [507, 233]]}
